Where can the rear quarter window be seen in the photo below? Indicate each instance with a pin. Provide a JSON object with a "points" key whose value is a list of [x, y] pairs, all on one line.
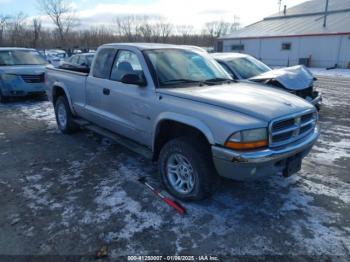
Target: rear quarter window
{"points": [[103, 63]]}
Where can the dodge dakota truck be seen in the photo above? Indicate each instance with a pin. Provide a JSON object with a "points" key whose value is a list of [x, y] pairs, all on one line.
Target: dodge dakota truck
{"points": [[180, 108]]}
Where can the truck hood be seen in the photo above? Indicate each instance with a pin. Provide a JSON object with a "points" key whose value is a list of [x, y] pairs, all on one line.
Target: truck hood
{"points": [[23, 70], [258, 101], [292, 78]]}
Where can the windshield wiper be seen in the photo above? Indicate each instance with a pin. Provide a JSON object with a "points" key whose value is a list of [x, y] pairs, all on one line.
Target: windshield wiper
{"points": [[212, 81], [180, 81], [218, 80]]}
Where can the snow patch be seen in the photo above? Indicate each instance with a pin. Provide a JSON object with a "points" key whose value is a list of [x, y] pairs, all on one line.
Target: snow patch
{"points": [[42, 111], [338, 72], [113, 200]]}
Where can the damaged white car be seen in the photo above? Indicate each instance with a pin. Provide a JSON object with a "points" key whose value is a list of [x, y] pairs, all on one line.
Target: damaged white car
{"points": [[296, 79]]}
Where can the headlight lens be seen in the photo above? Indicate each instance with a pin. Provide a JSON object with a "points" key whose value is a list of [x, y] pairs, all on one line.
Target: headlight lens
{"points": [[248, 139], [8, 77]]}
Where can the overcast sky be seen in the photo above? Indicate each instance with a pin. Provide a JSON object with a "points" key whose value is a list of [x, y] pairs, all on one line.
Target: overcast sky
{"points": [[192, 12]]}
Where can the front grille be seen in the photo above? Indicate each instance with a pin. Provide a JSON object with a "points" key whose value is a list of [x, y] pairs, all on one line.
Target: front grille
{"points": [[289, 129], [33, 78]]}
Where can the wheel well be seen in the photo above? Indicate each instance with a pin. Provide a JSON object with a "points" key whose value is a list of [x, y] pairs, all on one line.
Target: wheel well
{"points": [[169, 129], [57, 92]]}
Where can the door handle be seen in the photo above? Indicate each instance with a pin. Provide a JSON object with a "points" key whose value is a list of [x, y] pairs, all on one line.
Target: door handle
{"points": [[106, 91]]}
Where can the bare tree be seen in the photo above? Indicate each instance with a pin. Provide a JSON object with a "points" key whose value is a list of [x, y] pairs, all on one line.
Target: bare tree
{"points": [[163, 29], [4, 19], [145, 28], [61, 14], [185, 32], [218, 28], [126, 26], [18, 31], [16, 27], [36, 23]]}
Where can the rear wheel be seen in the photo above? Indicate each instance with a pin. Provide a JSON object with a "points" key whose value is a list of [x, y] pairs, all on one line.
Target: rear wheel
{"points": [[186, 169], [64, 116]]}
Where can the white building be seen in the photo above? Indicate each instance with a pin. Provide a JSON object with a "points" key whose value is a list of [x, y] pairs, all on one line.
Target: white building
{"points": [[304, 33]]}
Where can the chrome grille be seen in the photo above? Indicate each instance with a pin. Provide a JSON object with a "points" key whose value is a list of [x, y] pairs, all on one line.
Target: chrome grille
{"points": [[292, 128], [33, 78]]}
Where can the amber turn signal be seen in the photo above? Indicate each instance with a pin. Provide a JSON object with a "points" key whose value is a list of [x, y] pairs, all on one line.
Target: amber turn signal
{"points": [[246, 145]]}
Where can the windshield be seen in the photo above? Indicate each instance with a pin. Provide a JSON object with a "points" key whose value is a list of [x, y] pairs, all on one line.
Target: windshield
{"points": [[178, 66], [21, 57], [248, 67]]}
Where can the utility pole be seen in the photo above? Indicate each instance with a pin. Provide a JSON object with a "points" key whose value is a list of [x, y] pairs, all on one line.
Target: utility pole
{"points": [[279, 6], [325, 14]]}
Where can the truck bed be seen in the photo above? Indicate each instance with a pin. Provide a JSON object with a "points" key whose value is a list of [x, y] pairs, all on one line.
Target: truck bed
{"points": [[71, 80], [74, 68]]}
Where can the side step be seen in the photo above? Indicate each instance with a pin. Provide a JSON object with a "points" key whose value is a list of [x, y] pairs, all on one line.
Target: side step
{"points": [[131, 145]]}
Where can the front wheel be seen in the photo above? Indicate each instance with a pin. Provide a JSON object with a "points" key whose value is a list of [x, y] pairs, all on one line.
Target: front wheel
{"points": [[186, 169], [64, 116]]}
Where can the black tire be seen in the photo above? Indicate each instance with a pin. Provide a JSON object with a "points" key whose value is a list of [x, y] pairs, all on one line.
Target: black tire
{"points": [[3, 99], [199, 156], [68, 126]]}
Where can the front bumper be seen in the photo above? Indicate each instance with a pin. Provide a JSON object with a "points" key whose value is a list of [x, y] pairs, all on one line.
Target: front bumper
{"points": [[21, 88], [253, 165], [317, 100]]}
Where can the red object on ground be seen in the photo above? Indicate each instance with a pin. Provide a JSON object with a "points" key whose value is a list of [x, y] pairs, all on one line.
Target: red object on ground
{"points": [[180, 209]]}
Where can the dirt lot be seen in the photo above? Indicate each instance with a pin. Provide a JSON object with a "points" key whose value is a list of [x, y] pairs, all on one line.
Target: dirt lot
{"points": [[69, 195]]}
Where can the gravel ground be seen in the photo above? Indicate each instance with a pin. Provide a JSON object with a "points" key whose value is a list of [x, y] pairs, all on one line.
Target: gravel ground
{"points": [[70, 195]]}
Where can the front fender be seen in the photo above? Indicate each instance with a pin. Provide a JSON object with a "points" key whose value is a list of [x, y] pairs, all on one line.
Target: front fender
{"points": [[183, 119]]}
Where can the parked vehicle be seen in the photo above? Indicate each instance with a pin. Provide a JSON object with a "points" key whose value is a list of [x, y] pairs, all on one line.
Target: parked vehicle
{"points": [[180, 108], [297, 80], [22, 73], [56, 56], [80, 60]]}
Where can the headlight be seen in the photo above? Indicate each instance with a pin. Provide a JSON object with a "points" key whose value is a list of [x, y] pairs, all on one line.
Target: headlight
{"points": [[248, 139], [8, 77]]}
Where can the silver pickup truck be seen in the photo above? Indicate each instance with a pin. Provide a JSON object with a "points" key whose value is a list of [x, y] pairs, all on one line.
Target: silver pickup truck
{"points": [[180, 108]]}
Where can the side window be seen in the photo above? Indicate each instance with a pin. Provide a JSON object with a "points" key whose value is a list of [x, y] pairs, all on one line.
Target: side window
{"points": [[74, 59], [228, 70], [103, 63], [125, 63], [82, 60], [238, 47]]}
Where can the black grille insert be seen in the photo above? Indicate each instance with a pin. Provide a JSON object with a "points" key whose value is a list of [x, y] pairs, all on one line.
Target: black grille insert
{"points": [[33, 78]]}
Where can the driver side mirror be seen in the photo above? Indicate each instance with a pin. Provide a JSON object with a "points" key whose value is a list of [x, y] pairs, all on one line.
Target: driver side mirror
{"points": [[134, 79]]}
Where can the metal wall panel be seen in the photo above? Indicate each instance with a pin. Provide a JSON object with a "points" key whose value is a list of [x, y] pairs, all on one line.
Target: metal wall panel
{"points": [[325, 51]]}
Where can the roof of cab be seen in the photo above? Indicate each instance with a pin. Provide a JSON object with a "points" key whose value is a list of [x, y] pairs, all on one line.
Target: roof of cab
{"points": [[145, 46], [225, 56]]}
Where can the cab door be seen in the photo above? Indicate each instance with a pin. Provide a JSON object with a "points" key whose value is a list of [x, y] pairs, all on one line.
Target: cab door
{"points": [[97, 84], [127, 106]]}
